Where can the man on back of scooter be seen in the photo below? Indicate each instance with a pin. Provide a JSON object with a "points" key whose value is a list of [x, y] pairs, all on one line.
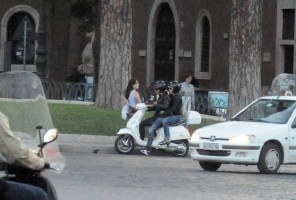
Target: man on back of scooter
{"points": [[174, 113], [16, 152], [162, 104]]}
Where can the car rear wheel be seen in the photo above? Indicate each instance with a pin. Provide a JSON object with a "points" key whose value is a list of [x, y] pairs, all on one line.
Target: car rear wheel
{"points": [[209, 166], [270, 159]]}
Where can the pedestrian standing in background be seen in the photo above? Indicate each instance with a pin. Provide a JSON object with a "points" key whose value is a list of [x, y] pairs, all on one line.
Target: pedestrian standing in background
{"points": [[187, 91]]}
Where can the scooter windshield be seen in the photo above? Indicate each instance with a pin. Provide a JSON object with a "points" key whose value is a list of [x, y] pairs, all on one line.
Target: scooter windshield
{"points": [[23, 101]]}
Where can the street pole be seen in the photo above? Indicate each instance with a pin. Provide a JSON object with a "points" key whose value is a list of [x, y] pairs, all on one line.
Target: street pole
{"points": [[25, 45]]}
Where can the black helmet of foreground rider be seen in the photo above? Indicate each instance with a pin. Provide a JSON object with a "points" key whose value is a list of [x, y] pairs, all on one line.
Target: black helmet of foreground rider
{"points": [[174, 112], [163, 97], [17, 153], [161, 104]]}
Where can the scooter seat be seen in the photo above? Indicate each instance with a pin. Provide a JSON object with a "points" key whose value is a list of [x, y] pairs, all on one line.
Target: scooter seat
{"points": [[178, 123]]}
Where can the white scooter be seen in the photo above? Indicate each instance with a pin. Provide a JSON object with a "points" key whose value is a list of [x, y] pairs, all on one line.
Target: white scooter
{"points": [[129, 137]]}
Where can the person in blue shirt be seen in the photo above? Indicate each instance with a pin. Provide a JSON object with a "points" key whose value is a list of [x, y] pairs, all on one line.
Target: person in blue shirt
{"points": [[132, 96]]}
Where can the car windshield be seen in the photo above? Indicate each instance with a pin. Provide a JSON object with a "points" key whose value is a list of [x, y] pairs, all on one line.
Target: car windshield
{"points": [[268, 110]]}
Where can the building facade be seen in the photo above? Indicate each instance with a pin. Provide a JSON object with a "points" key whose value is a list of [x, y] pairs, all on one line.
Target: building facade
{"points": [[169, 38]]}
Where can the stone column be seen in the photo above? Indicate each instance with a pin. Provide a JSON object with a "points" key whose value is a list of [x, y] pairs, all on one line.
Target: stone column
{"points": [[41, 49]]}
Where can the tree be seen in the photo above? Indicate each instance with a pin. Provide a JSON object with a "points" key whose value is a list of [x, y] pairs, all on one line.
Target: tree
{"points": [[115, 57], [58, 34], [245, 53]]}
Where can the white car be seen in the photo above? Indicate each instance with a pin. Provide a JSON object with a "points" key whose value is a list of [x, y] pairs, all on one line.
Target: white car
{"points": [[262, 134]]}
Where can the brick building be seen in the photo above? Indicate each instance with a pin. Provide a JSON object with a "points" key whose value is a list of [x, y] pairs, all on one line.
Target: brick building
{"points": [[169, 38]]}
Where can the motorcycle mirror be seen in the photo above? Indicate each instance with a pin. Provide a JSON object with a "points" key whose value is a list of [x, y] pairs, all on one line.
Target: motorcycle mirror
{"points": [[50, 135], [151, 99]]}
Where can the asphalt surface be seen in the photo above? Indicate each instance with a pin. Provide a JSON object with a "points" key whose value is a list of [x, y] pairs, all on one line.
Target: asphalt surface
{"points": [[109, 175], [75, 143]]}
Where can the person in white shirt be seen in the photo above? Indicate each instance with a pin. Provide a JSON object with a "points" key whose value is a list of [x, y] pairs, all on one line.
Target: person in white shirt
{"points": [[187, 91]]}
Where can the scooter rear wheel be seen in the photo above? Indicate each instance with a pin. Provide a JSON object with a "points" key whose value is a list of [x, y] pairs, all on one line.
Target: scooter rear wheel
{"points": [[184, 144], [124, 144]]}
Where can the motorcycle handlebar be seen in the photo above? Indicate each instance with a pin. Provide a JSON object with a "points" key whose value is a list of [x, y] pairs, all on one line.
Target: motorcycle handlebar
{"points": [[3, 165], [47, 166]]}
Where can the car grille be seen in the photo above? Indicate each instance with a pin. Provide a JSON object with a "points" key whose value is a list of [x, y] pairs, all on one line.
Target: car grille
{"points": [[207, 138], [213, 153]]}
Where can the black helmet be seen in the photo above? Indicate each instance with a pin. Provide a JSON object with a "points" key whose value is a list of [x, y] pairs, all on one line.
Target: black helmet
{"points": [[175, 85], [161, 85]]}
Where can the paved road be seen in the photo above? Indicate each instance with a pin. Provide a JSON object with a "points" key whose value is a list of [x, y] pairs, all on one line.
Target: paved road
{"points": [[107, 175]]}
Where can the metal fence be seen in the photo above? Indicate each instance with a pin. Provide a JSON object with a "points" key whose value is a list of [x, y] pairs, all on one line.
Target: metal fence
{"points": [[61, 90], [69, 91], [216, 106], [205, 103]]}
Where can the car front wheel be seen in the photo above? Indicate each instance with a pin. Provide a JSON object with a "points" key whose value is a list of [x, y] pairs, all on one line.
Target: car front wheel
{"points": [[270, 159]]}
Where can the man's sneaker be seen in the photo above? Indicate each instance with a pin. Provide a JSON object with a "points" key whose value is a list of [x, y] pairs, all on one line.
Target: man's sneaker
{"points": [[145, 152], [164, 142]]}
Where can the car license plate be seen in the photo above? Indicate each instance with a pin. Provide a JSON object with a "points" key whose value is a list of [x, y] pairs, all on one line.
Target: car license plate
{"points": [[211, 146]]}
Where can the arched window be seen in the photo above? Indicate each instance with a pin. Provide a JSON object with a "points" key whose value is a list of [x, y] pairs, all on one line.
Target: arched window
{"points": [[203, 46], [205, 49], [19, 38]]}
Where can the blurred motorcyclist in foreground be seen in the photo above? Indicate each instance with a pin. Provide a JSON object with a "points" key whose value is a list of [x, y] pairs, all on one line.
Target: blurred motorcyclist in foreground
{"points": [[17, 153]]}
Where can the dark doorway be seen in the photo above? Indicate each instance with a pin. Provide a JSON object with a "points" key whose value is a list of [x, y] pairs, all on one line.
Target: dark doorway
{"points": [[15, 34], [165, 38]]}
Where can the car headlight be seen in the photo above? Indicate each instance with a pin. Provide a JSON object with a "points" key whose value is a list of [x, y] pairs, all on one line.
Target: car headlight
{"points": [[195, 138], [243, 139]]}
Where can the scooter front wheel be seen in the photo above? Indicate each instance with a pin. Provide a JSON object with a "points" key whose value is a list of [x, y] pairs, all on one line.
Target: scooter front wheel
{"points": [[124, 144]]}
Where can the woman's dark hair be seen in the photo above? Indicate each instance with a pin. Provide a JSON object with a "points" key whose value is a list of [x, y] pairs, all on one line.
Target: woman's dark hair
{"points": [[129, 87], [187, 75]]}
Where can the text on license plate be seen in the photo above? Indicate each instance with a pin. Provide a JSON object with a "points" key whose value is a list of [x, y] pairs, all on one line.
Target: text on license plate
{"points": [[211, 146]]}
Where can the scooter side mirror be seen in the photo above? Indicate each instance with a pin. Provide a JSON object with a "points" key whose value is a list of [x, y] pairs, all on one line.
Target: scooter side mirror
{"points": [[50, 136], [150, 100]]}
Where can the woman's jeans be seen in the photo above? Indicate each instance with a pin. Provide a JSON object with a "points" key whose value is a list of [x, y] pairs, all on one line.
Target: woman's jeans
{"points": [[169, 120], [20, 191]]}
